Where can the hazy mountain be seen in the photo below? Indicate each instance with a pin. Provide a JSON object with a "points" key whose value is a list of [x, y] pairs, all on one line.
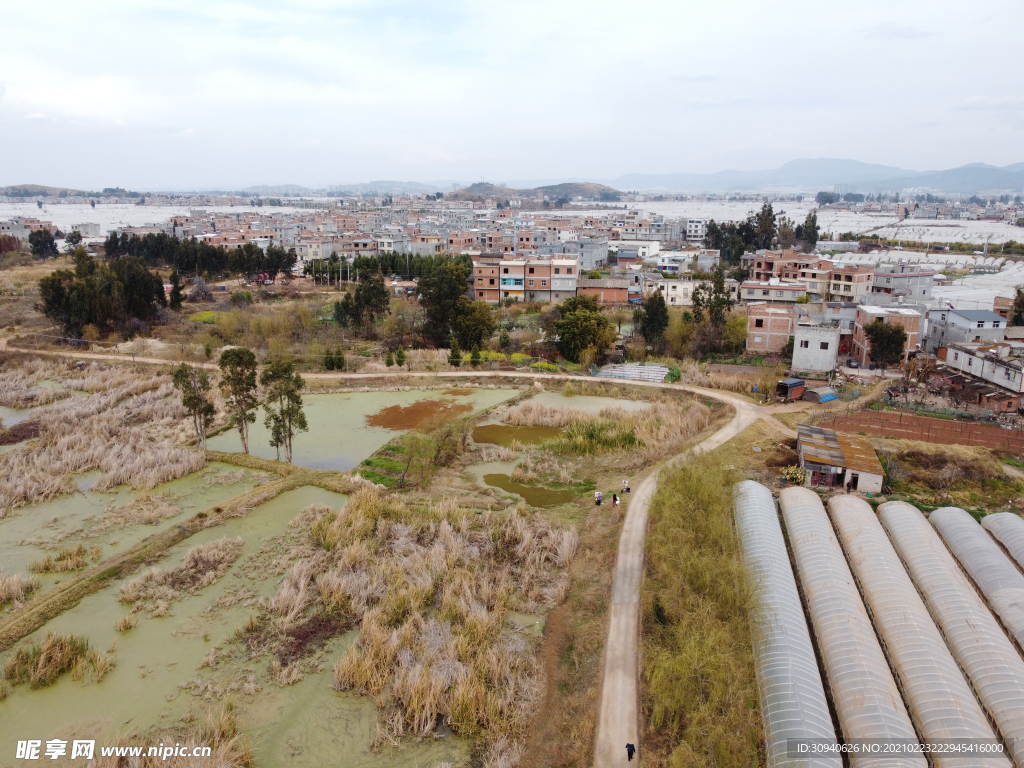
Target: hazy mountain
{"points": [[967, 179], [483, 190]]}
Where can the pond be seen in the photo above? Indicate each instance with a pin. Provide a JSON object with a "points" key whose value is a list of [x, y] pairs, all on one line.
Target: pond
{"points": [[341, 434], [591, 404], [505, 434], [534, 495]]}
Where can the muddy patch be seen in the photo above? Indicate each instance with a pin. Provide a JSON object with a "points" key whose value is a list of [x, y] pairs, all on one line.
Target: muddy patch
{"points": [[415, 416], [505, 434], [25, 430], [459, 392], [534, 495]]}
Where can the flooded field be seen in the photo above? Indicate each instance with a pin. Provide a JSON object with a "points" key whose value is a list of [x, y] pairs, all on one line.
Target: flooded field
{"points": [[588, 403], [174, 665], [112, 521], [346, 428], [534, 495]]}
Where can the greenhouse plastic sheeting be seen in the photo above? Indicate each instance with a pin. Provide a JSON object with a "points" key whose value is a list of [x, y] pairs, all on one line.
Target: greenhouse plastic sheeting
{"points": [[977, 641], [997, 578], [793, 703], [863, 689], [940, 700], [1008, 528]]}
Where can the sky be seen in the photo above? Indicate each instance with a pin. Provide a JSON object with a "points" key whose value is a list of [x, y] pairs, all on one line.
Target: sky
{"points": [[185, 94]]}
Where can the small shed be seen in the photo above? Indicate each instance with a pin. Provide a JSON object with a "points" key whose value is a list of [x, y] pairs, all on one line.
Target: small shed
{"points": [[790, 389], [821, 395], [831, 459]]}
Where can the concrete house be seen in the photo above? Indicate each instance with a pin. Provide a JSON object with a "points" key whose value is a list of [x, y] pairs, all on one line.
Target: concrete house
{"points": [[815, 347], [833, 459], [950, 326], [769, 327], [866, 315]]}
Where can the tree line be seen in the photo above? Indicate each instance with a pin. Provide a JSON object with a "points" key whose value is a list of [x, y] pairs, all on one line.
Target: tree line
{"points": [[760, 230], [196, 257]]}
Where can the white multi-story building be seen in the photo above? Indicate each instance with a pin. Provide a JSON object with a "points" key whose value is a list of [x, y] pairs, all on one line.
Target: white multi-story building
{"points": [[696, 229]]}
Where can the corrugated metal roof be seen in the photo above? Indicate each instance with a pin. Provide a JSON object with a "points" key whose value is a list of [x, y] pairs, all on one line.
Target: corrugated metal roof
{"points": [[823, 446]]}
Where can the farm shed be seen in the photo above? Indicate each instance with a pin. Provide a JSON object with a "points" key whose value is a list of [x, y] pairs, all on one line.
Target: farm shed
{"points": [[833, 459]]}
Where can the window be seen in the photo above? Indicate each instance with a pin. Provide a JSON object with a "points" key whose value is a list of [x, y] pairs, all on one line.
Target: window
{"points": [[518, 281], [970, 361], [558, 270], [804, 344], [759, 323], [481, 294], [531, 268], [956, 355], [492, 281], [994, 325], [780, 293], [750, 291], [981, 323], [765, 293], [824, 345], [506, 270], [568, 270], [531, 281], [543, 283], [757, 339]]}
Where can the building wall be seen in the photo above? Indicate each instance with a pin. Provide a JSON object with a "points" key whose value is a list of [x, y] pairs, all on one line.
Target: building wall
{"points": [[911, 322], [815, 348], [768, 330]]}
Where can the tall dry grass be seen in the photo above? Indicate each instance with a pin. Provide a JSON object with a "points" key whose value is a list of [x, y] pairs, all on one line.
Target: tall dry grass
{"points": [[16, 588], [130, 431], [20, 382], [41, 664], [653, 431], [202, 566], [699, 685], [431, 590], [701, 375]]}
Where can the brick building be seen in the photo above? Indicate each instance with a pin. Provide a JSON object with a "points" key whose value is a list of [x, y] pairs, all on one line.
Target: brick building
{"points": [[908, 318], [769, 327]]}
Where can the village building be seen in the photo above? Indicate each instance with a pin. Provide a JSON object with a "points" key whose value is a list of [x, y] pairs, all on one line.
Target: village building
{"points": [[833, 459]]}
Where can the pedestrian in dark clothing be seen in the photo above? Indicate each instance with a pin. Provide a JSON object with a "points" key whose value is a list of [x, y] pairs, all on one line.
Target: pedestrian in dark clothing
{"points": [[630, 749], [848, 486], [615, 500]]}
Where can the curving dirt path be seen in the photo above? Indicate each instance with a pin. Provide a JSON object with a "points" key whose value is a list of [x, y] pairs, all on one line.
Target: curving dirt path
{"points": [[618, 723]]}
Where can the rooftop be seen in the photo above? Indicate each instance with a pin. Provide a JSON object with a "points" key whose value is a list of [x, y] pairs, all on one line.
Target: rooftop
{"points": [[823, 446]]}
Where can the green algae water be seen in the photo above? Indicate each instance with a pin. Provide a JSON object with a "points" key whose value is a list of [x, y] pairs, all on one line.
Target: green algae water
{"points": [[171, 667], [534, 495], [339, 437], [505, 434]]}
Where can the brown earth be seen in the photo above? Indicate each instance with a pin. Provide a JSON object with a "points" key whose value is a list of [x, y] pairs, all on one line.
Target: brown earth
{"points": [[416, 415]]}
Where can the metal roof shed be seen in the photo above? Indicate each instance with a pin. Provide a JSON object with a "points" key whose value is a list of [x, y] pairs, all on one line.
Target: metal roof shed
{"points": [[821, 395]]}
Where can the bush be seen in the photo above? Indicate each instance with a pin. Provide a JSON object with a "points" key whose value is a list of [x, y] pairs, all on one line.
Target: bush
{"points": [[241, 298], [206, 316], [542, 365], [674, 374]]}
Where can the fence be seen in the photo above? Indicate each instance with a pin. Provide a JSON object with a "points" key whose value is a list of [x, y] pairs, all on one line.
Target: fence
{"points": [[907, 426]]}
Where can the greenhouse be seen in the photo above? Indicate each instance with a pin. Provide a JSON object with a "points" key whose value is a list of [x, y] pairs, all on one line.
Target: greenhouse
{"points": [[991, 570], [793, 704], [1008, 529], [864, 692], [940, 700], [977, 641]]}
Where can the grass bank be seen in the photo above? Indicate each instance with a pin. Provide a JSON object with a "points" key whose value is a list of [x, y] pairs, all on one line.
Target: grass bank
{"points": [[699, 699]]}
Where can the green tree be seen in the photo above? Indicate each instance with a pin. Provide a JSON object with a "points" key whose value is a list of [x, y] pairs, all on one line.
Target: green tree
{"points": [[71, 241], [581, 329], [43, 244], [473, 323], [283, 405], [455, 355], [400, 357], [1017, 313], [734, 334], [786, 234], [371, 300], [389, 359], [105, 295], [344, 310], [329, 360], [764, 226], [474, 356], [440, 292], [504, 340], [194, 383], [578, 302], [655, 319], [238, 383], [888, 342], [177, 297], [807, 233]]}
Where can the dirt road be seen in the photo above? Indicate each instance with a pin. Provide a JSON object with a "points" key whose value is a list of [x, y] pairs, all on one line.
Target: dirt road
{"points": [[618, 723]]}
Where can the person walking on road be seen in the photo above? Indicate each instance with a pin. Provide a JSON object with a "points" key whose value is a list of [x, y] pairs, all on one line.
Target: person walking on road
{"points": [[597, 498], [625, 486], [630, 749], [615, 500]]}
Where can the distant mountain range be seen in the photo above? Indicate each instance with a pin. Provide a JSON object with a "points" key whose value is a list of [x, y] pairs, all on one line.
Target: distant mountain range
{"points": [[796, 176], [824, 173]]}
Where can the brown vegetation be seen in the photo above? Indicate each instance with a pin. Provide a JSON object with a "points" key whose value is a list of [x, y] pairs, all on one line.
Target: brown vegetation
{"points": [[130, 429], [14, 589], [65, 560], [419, 415], [41, 664], [201, 567]]}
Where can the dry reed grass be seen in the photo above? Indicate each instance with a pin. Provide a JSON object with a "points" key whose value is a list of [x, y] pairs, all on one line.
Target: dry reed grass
{"points": [[65, 560], [15, 588], [202, 566], [653, 431], [41, 664], [126, 623], [496, 453], [130, 429], [20, 382], [431, 589], [699, 375]]}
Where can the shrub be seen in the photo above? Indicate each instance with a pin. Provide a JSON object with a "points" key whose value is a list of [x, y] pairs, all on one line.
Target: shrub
{"points": [[241, 298], [41, 664], [14, 589], [65, 560], [542, 365], [207, 316]]}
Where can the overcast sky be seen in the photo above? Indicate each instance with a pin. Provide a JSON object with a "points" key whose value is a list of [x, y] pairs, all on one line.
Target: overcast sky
{"points": [[177, 94]]}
